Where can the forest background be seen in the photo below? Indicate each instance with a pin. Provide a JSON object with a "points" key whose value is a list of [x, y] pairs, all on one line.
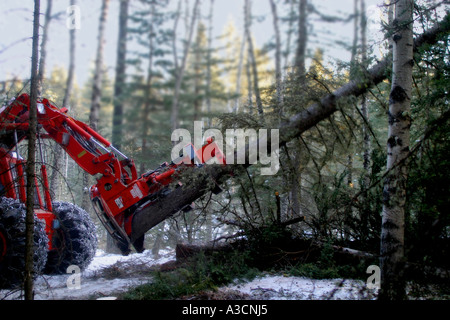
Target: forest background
{"points": [[136, 70]]}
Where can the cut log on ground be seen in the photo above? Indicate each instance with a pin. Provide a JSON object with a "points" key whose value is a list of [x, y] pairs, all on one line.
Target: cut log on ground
{"points": [[308, 251], [283, 252]]}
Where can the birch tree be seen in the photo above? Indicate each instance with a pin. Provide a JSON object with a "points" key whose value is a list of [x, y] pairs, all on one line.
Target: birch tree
{"points": [[394, 192]]}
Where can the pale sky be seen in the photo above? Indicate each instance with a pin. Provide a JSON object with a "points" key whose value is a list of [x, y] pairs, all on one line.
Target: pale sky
{"points": [[16, 30]]}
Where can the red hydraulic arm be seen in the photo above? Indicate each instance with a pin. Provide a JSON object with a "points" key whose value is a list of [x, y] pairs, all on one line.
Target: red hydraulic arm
{"points": [[119, 193]]}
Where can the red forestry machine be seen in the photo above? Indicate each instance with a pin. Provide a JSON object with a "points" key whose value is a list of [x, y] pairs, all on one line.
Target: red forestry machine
{"points": [[64, 234]]}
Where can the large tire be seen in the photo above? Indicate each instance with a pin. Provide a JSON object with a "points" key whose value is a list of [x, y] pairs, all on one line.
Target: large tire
{"points": [[12, 244], [75, 240]]}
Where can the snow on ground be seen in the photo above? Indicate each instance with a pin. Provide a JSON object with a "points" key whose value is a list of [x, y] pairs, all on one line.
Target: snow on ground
{"points": [[92, 284], [279, 287], [95, 283]]}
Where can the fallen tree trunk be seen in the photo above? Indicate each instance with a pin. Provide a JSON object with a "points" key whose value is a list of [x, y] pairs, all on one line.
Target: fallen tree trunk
{"points": [[309, 251], [284, 252], [294, 127]]}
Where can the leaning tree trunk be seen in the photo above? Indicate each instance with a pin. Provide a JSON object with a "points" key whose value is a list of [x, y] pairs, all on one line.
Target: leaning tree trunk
{"points": [[30, 169], [394, 193], [290, 129]]}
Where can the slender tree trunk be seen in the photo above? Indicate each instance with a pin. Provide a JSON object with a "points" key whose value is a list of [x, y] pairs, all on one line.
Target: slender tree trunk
{"points": [[300, 56], [72, 55], [58, 160], [353, 61], [391, 4], [248, 70], [96, 97], [197, 75], [209, 63], [174, 42], [146, 112], [278, 85], [30, 166], [364, 108], [394, 193], [96, 94], [208, 97], [180, 70], [287, 51], [252, 59], [300, 72], [119, 83], [354, 56], [147, 93], [145, 116], [43, 56], [239, 75]]}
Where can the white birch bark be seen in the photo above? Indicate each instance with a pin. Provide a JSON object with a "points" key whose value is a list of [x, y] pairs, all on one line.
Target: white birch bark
{"points": [[394, 192]]}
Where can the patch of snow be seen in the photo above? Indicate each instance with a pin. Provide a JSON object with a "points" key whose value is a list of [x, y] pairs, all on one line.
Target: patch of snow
{"points": [[103, 260], [55, 288], [92, 284], [300, 288]]}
